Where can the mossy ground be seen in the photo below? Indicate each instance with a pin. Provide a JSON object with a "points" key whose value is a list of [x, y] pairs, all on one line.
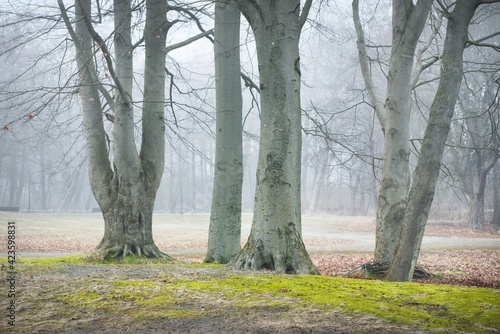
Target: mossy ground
{"points": [[72, 293]]}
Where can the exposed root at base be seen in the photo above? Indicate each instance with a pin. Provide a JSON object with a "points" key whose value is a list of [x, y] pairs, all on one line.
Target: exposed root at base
{"points": [[217, 259], [120, 251], [254, 259], [379, 270]]}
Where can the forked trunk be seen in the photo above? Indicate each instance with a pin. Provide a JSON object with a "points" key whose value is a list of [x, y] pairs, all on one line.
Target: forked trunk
{"points": [[436, 133], [126, 192], [128, 214]]}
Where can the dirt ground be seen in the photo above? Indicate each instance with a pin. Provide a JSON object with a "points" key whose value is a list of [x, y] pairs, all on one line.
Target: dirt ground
{"points": [[337, 245]]}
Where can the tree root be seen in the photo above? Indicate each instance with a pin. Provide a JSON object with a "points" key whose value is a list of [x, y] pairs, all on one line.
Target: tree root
{"points": [[255, 257], [379, 270], [218, 259], [122, 250]]}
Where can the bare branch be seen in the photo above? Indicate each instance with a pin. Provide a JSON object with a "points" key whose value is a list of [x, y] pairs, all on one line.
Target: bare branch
{"points": [[365, 67], [251, 9], [188, 41], [105, 51], [305, 13], [419, 65], [488, 37], [249, 82], [171, 96], [139, 42], [193, 17], [445, 8], [488, 45], [67, 22], [249, 6], [75, 39]]}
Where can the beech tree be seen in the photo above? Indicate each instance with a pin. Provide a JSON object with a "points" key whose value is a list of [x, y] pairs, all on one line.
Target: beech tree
{"points": [[474, 131], [275, 240], [225, 216], [124, 186], [402, 211], [481, 126], [408, 21], [441, 112]]}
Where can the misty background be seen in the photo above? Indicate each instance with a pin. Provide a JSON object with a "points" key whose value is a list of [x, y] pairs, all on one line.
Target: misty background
{"points": [[42, 148]]}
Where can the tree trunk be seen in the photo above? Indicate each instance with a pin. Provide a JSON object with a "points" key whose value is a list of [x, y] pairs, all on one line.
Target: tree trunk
{"points": [[72, 186], [18, 180], [428, 165], [275, 240], [43, 181], [128, 216], [354, 188], [319, 180], [485, 149], [224, 234], [12, 180], [476, 212], [408, 23], [495, 220], [126, 193], [194, 182]]}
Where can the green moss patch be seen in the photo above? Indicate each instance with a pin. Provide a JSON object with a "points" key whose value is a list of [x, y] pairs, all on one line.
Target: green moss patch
{"points": [[134, 298], [29, 263], [425, 305], [73, 258], [87, 259], [194, 290], [131, 259]]}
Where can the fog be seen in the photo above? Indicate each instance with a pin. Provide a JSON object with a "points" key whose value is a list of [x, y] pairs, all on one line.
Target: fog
{"points": [[42, 148]]}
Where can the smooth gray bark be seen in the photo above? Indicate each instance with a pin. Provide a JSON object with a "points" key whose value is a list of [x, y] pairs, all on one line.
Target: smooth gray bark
{"points": [[428, 165], [224, 235], [275, 240], [126, 191], [408, 21]]}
